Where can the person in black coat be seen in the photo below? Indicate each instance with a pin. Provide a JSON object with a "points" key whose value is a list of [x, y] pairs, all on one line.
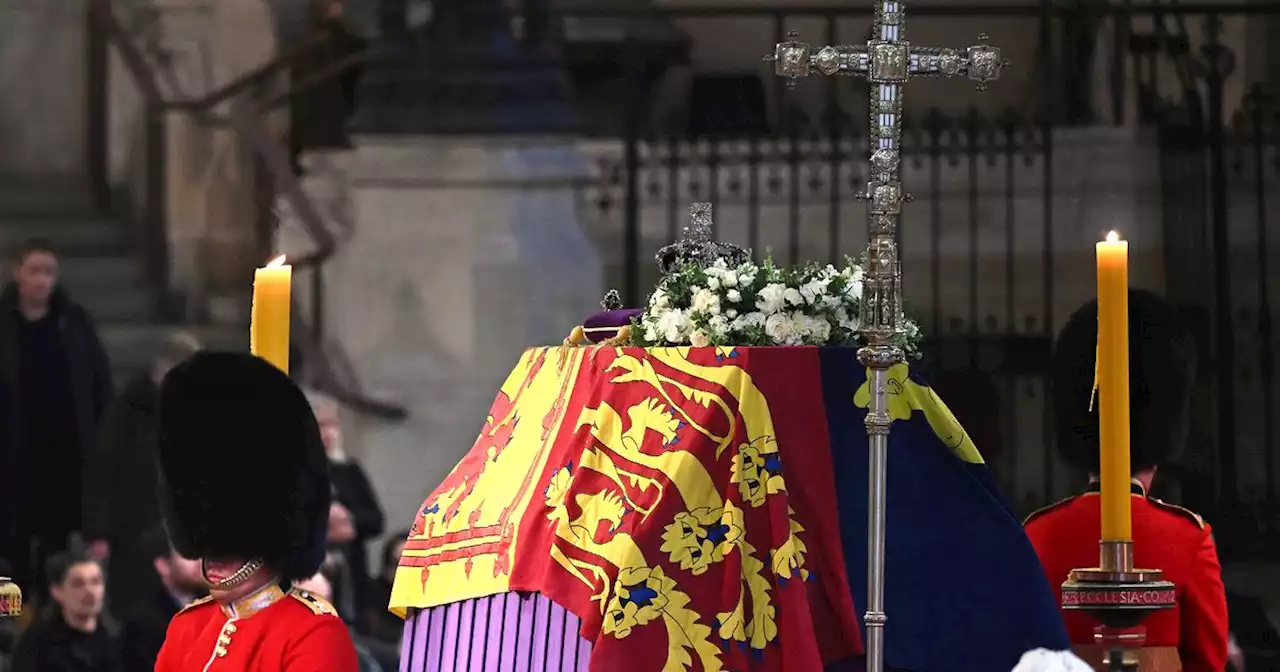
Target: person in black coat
{"points": [[380, 623], [1255, 642], [55, 383], [355, 516], [126, 477], [178, 584]]}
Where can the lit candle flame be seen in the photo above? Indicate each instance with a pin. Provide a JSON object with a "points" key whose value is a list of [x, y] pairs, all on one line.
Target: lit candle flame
{"points": [[1112, 237], [279, 261]]}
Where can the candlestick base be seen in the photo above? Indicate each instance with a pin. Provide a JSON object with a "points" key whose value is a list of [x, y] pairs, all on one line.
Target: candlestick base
{"points": [[10, 598], [1120, 597]]}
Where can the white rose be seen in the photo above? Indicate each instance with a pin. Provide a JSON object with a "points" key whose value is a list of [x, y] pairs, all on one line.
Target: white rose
{"points": [[719, 325], [729, 278], [793, 296], [847, 320], [650, 333], [819, 329], [771, 298], [674, 325], [720, 264], [733, 295], [781, 328], [706, 301], [814, 289], [746, 277], [806, 325], [749, 320], [731, 313], [699, 340], [713, 282], [853, 290], [659, 299]]}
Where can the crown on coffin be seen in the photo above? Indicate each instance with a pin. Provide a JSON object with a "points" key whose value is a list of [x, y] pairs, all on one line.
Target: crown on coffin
{"points": [[10, 598], [697, 245]]}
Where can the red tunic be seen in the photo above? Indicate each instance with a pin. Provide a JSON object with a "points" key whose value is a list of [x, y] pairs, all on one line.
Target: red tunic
{"points": [[1165, 537], [271, 630]]}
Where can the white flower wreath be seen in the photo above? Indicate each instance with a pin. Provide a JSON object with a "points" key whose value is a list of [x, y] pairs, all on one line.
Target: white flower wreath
{"points": [[749, 304]]}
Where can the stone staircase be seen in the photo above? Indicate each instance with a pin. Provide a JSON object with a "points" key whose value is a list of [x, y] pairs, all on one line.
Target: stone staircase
{"points": [[100, 267]]}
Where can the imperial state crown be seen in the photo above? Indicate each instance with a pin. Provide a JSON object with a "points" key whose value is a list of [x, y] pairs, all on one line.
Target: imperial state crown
{"points": [[10, 598]]}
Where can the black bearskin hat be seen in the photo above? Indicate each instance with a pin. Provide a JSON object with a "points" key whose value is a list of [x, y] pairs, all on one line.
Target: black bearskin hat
{"points": [[1162, 358], [244, 472]]}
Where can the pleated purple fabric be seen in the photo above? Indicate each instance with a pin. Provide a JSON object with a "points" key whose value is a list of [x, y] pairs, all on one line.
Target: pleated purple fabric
{"points": [[511, 632]]}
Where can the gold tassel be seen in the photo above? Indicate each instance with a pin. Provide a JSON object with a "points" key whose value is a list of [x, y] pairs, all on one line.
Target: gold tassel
{"points": [[576, 337], [622, 339]]}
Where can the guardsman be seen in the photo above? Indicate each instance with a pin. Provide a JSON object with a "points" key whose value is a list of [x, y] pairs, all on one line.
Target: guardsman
{"points": [[1165, 536], [246, 490]]}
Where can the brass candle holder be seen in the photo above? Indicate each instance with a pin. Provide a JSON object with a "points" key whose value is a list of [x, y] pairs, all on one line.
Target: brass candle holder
{"points": [[1120, 597], [10, 598]]}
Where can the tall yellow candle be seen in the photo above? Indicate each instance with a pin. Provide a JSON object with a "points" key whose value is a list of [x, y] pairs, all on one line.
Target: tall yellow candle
{"points": [[1113, 387], [269, 330]]}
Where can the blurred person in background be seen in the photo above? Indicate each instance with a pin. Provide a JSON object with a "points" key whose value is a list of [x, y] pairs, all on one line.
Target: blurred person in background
{"points": [[179, 583], [55, 384], [1254, 643], [121, 496], [322, 586], [355, 516], [380, 623], [74, 635]]}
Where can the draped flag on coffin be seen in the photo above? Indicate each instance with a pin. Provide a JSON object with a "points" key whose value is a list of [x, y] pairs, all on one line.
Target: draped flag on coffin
{"points": [[679, 502], [647, 492], [964, 590]]}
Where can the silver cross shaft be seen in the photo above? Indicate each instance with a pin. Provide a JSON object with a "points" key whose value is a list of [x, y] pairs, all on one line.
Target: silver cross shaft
{"points": [[888, 62]]}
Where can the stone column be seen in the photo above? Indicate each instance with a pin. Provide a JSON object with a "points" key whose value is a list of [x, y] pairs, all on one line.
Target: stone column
{"points": [[42, 74], [464, 251], [466, 246]]}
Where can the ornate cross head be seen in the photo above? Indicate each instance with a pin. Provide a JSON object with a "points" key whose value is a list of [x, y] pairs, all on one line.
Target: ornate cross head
{"points": [[887, 61]]}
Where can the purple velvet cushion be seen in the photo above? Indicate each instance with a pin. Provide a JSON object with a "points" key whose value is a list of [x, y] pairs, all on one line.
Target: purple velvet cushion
{"points": [[605, 324]]}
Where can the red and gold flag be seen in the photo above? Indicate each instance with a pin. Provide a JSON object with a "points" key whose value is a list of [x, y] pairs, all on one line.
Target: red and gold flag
{"points": [[645, 492]]}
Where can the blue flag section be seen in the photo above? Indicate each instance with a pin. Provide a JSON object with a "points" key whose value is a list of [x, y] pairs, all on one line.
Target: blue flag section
{"points": [[964, 591]]}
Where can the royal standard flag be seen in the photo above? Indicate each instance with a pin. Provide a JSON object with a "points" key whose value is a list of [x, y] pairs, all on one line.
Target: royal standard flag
{"points": [[705, 509]]}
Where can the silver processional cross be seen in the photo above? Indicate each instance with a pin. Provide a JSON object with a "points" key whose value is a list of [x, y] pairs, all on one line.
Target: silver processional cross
{"points": [[888, 61]]}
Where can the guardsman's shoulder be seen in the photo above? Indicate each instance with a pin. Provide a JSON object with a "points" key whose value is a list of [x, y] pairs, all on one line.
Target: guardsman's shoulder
{"points": [[1046, 510], [1178, 512], [316, 604], [198, 605]]}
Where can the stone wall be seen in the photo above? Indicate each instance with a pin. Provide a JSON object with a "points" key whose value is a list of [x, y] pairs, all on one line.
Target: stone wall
{"points": [[42, 74]]}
